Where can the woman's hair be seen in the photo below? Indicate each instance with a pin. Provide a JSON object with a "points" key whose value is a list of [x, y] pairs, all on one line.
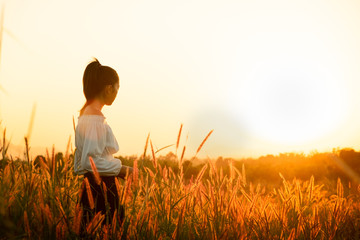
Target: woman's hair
{"points": [[96, 77]]}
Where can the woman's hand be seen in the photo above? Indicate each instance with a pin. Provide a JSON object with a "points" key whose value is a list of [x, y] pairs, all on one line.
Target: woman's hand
{"points": [[125, 171]]}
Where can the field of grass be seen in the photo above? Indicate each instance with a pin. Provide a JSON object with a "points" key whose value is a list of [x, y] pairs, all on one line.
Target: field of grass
{"points": [[39, 200]]}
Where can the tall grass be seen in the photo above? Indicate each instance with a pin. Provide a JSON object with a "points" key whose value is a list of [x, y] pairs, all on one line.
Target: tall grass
{"points": [[39, 200]]}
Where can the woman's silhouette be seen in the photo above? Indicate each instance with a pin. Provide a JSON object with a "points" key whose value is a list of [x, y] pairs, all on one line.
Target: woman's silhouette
{"points": [[94, 139]]}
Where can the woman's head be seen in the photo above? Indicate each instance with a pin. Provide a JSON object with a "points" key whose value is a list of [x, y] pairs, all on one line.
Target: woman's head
{"points": [[100, 82]]}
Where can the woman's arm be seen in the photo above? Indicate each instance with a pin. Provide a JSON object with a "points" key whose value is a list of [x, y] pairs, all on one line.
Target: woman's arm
{"points": [[125, 171]]}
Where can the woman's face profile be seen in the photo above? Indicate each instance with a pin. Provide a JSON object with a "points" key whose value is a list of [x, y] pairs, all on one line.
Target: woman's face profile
{"points": [[111, 93]]}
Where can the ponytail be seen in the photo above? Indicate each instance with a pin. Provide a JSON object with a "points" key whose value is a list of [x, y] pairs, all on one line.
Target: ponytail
{"points": [[91, 81]]}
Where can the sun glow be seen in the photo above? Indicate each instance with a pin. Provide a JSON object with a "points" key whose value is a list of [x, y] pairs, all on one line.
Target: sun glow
{"points": [[267, 76], [290, 97]]}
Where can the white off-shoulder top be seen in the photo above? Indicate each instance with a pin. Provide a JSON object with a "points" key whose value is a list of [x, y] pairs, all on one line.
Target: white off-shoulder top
{"points": [[94, 137]]}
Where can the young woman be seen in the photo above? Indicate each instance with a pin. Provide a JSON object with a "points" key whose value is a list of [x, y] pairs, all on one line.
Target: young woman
{"points": [[94, 138]]}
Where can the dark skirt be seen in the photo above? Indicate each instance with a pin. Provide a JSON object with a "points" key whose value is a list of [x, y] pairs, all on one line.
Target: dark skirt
{"points": [[99, 201]]}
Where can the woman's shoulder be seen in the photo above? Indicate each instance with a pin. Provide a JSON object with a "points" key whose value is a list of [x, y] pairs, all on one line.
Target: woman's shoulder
{"points": [[91, 116], [91, 119], [88, 125]]}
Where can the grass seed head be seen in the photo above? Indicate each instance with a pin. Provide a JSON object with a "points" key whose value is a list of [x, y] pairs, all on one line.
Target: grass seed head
{"points": [[89, 193], [178, 138], [153, 155], [146, 145], [203, 142], [95, 171]]}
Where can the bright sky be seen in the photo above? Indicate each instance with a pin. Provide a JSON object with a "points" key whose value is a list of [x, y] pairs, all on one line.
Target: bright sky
{"points": [[267, 76]]}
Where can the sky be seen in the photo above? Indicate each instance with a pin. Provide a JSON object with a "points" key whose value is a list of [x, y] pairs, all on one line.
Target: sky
{"points": [[267, 76]]}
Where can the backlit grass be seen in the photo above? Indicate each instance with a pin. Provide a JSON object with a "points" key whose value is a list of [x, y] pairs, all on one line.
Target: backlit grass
{"points": [[39, 200]]}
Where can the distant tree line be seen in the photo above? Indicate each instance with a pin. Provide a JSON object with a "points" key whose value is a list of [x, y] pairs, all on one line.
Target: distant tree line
{"points": [[263, 170]]}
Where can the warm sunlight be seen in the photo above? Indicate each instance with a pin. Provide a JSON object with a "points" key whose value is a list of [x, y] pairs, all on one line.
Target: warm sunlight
{"points": [[159, 119], [293, 92], [267, 76]]}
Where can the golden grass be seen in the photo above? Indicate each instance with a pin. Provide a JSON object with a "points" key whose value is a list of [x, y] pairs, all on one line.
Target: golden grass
{"points": [[203, 142], [95, 171], [161, 204], [146, 145], [153, 155], [89, 194], [178, 138]]}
